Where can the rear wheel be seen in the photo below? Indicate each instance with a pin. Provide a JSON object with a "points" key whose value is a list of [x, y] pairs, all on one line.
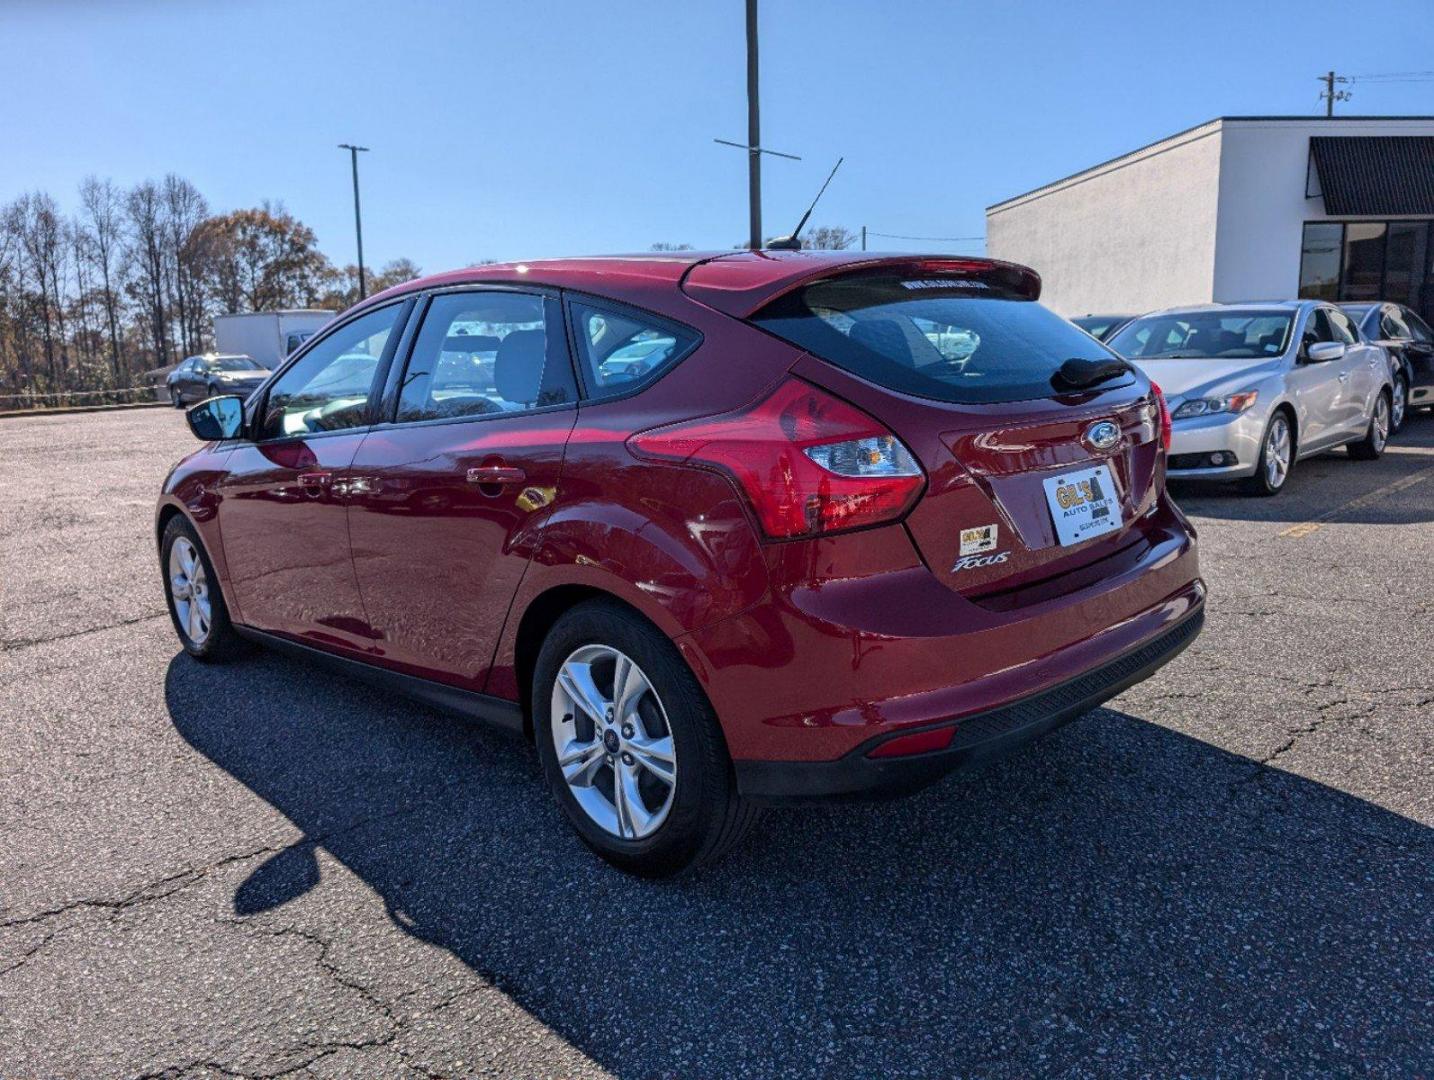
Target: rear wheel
{"points": [[1277, 458], [196, 604], [630, 745], [1399, 404], [1377, 437]]}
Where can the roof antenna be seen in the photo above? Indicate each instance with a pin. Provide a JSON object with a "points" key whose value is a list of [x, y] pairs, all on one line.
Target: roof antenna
{"points": [[792, 243]]}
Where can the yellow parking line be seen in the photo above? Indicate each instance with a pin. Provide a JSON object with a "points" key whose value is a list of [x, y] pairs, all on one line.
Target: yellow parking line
{"points": [[1304, 528]]}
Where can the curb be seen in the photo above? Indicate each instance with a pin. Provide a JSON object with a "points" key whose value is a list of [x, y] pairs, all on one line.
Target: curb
{"points": [[65, 409]]}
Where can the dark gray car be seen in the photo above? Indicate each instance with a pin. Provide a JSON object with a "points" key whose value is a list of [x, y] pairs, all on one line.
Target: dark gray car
{"points": [[1410, 345], [213, 374]]}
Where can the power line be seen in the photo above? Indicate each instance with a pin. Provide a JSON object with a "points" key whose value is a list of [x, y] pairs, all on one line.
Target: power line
{"points": [[930, 239], [1395, 76]]}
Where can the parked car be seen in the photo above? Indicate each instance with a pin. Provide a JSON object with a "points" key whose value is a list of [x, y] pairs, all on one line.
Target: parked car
{"points": [[807, 555], [1253, 388], [207, 376], [1102, 327], [1410, 344]]}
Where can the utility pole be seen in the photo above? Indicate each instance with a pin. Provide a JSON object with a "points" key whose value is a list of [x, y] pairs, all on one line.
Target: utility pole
{"points": [[754, 135], [863, 238], [1331, 95], [354, 152], [754, 143]]}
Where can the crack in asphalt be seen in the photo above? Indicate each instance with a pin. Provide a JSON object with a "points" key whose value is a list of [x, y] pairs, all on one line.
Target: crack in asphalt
{"points": [[16, 644]]}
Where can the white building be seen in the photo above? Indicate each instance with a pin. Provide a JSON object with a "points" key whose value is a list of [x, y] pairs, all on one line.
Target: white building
{"points": [[1240, 208]]}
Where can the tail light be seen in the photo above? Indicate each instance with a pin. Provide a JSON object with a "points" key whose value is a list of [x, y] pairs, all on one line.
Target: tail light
{"points": [[1164, 416], [808, 462]]}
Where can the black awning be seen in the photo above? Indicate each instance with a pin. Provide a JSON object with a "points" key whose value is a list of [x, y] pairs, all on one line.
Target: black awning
{"points": [[1386, 175]]}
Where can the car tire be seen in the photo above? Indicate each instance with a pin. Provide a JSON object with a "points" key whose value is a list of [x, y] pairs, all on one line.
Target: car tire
{"points": [[699, 817], [1376, 437], [191, 589], [212, 391], [1277, 457], [1398, 404], [175, 399]]}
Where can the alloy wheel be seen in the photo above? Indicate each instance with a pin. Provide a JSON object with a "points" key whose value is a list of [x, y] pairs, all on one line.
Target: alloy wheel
{"points": [[1396, 410], [1277, 452], [189, 588], [614, 745], [1380, 428]]}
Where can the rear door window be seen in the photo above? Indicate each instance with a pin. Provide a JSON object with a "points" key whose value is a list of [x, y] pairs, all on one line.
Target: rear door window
{"points": [[949, 339], [486, 353]]}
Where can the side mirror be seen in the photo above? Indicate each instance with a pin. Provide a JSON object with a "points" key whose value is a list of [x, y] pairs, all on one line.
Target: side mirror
{"points": [[217, 418], [1323, 351]]}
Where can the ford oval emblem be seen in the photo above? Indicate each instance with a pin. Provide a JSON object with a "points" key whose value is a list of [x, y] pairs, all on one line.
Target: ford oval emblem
{"points": [[1102, 435]]}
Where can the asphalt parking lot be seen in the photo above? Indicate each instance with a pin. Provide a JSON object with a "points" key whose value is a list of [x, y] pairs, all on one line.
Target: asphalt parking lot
{"points": [[261, 870]]}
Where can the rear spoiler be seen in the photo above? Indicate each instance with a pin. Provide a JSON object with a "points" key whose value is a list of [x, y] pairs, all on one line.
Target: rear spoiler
{"points": [[730, 285]]}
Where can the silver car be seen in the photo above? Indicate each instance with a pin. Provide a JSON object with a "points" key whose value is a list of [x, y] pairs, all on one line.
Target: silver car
{"points": [[1253, 388]]}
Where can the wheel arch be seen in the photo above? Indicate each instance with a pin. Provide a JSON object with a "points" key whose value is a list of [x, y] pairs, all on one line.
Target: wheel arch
{"points": [[539, 617], [1286, 406], [166, 513]]}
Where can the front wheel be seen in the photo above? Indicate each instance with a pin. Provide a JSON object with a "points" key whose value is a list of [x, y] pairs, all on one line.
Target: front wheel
{"points": [[1377, 437], [630, 745], [191, 590], [1277, 458], [175, 399]]}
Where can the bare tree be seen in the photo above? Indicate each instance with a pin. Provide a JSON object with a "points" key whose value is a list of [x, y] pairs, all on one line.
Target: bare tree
{"points": [[829, 238], [342, 288], [144, 207], [185, 210], [663, 245], [103, 207], [41, 236]]}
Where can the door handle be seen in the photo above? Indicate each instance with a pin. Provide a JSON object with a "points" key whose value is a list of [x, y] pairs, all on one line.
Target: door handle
{"points": [[496, 474], [1344, 376]]}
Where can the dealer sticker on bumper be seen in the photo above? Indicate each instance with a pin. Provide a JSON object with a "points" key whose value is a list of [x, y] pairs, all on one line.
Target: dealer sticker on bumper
{"points": [[1084, 504], [974, 541]]}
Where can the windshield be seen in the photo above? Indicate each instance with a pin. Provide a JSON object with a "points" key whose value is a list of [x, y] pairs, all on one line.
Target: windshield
{"points": [[1097, 326], [951, 339], [1205, 335], [234, 363]]}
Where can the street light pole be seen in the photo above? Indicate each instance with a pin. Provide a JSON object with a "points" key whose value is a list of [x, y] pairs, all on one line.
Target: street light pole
{"points": [[358, 219]]}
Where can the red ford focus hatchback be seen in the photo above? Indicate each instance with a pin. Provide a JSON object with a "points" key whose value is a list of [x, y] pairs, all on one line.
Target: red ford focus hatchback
{"points": [[712, 531]]}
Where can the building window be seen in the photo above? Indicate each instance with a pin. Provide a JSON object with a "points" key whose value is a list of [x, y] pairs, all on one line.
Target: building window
{"points": [[1405, 261], [1320, 259], [1363, 261]]}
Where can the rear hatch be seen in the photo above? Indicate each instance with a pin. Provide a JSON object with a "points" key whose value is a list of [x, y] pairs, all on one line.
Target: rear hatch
{"points": [[1035, 486]]}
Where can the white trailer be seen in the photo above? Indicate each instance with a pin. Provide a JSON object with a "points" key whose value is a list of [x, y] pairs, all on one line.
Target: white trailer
{"points": [[267, 336]]}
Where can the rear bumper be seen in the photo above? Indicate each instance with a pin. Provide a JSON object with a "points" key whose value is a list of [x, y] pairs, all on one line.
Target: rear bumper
{"points": [[976, 739]]}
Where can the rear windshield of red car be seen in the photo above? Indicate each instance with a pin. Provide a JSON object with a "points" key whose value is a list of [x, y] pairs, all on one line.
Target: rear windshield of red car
{"points": [[963, 340]]}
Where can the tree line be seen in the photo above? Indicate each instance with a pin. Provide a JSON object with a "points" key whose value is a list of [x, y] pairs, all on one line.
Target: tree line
{"points": [[131, 281]]}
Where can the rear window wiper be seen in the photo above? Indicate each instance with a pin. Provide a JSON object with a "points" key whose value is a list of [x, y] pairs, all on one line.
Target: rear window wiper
{"points": [[1081, 374]]}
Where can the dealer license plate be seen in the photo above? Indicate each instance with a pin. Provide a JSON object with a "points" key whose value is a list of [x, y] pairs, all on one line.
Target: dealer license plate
{"points": [[1084, 504]]}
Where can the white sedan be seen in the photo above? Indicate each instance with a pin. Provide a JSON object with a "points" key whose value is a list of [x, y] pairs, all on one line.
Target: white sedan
{"points": [[1253, 388]]}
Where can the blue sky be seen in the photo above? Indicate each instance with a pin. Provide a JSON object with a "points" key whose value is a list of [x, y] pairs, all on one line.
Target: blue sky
{"points": [[511, 130]]}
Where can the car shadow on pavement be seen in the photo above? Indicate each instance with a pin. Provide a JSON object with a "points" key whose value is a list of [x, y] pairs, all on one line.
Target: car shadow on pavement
{"points": [[1116, 899]]}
